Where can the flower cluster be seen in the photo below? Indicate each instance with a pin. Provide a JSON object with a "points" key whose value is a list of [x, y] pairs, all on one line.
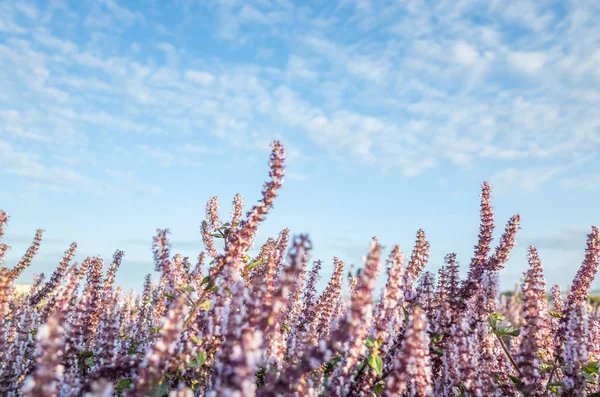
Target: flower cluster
{"points": [[257, 325]]}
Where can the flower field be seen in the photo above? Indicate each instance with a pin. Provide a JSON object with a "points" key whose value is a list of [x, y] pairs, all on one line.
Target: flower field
{"points": [[228, 324]]}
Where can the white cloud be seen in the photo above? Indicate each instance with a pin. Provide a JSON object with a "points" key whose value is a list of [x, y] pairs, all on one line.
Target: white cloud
{"points": [[195, 148], [28, 166], [46, 39], [524, 180], [586, 182], [465, 54], [296, 176], [401, 86], [528, 62], [199, 77], [155, 155], [298, 68]]}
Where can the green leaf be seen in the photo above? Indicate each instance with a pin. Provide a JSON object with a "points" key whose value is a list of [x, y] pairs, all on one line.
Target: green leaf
{"points": [[370, 342], [557, 314], [170, 295], [160, 390], [373, 343], [256, 263], [437, 351], [285, 328], [507, 331], [591, 368], [188, 289], [132, 349], [436, 338], [379, 388], [155, 330], [123, 384], [494, 318], [545, 367], [376, 363], [195, 384], [86, 354], [201, 358], [199, 361], [589, 378], [597, 394], [515, 380], [216, 235], [499, 317], [33, 332], [260, 376], [330, 366], [89, 361], [557, 384]]}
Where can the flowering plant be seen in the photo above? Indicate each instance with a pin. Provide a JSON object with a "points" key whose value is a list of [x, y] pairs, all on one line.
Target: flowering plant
{"points": [[257, 326]]}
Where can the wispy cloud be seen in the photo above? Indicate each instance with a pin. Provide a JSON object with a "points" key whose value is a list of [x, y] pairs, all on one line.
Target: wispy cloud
{"points": [[585, 181], [570, 239], [399, 86]]}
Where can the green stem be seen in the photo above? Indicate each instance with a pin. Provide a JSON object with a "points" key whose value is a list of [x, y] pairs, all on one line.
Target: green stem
{"points": [[195, 309], [510, 358], [554, 366]]}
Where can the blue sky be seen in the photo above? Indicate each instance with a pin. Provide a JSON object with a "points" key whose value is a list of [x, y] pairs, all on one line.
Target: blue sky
{"points": [[119, 117]]}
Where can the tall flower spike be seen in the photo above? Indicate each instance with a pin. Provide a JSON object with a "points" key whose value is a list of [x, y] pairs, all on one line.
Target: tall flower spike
{"points": [[307, 316], [482, 249], [157, 358], [271, 323], [507, 243], [56, 276], [162, 261], [256, 215], [6, 294], [390, 317], [359, 318], [6, 291], [290, 318], [28, 257], [425, 293], [238, 355], [586, 273], [272, 267], [418, 260], [3, 222], [533, 314], [207, 239], [575, 352], [48, 371], [411, 371], [557, 298], [212, 213], [453, 285], [461, 358], [91, 302], [325, 308], [238, 208], [3, 247], [109, 279]]}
